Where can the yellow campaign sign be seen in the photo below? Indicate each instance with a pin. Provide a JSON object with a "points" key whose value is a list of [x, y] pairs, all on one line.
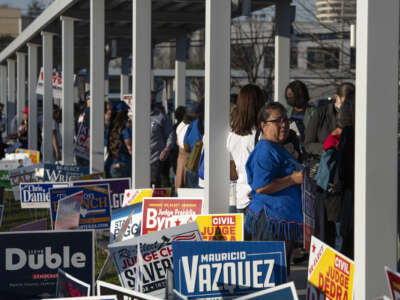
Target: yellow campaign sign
{"points": [[136, 196], [34, 156], [224, 227], [330, 271]]}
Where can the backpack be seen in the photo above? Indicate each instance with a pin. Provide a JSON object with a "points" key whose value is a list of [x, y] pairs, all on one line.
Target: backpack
{"points": [[192, 163]]}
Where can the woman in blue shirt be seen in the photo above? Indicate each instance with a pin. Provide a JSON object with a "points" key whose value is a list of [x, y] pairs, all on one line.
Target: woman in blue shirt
{"points": [[275, 176], [120, 143]]}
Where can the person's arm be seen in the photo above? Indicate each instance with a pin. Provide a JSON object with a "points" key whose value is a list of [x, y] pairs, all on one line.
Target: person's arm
{"points": [[311, 143], [233, 174], [128, 144], [127, 137], [279, 184], [55, 146], [187, 147], [186, 144]]}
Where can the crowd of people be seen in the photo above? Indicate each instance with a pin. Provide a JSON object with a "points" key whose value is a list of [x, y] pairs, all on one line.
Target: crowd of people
{"points": [[273, 150]]}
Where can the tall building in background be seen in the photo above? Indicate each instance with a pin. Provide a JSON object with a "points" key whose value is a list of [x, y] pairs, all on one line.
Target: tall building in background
{"points": [[10, 21], [336, 11]]}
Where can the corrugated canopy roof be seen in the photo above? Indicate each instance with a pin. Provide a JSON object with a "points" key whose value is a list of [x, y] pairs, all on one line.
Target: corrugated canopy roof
{"points": [[170, 19]]}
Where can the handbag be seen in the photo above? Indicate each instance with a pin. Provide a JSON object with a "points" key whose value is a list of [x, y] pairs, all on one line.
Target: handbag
{"points": [[192, 163]]}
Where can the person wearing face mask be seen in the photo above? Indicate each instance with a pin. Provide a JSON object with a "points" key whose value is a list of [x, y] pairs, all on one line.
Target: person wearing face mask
{"points": [[322, 125], [323, 121], [299, 109]]}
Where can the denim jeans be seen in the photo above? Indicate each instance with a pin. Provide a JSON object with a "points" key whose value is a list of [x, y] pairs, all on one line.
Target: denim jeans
{"points": [[192, 179]]}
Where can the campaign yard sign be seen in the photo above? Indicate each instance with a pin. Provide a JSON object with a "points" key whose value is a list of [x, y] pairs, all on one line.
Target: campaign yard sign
{"points": [[62, 173], [69, 286], [23, 175], [68, 212], [161, 192], [162, 213], [111, 297], [223, 227], [309, 202], [5, 166], [119, 217], [227, 269], [95, 210], [82, 143], [394, 283], [29, 261], [34, 155], [136, 196], [330, 271], [285, 291], [142, 263], [117, 188], [105, 288], [36, 195]]}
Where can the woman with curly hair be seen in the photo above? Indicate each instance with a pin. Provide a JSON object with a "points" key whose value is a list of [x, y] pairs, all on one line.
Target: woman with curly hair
{"points": [[120, 143]]}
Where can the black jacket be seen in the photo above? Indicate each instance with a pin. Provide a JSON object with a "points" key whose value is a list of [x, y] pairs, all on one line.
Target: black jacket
{"points": [[322, 123]]}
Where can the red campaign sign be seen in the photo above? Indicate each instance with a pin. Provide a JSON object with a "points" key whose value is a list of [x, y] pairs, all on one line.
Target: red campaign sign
{"points": [[394, 283], [163, 213]]}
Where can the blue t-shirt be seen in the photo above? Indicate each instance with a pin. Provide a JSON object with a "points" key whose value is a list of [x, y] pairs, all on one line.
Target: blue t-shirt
{"points": [[267, 162], [192, 134], [124, 155]]}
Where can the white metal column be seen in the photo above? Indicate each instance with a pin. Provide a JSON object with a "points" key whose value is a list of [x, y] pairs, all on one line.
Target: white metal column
{"points": [[10, 105], [3, 85], [97, 67], [32, 99], [180, 72], [141, 76], [217, 91], [282, 50], [376, 161], [68, 90], [124, 84], [47, 130], [3, 91], [21, 94]]}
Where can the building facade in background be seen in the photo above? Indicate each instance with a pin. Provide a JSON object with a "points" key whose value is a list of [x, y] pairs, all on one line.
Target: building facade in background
{"points": [[331, 11], [10, 21]]}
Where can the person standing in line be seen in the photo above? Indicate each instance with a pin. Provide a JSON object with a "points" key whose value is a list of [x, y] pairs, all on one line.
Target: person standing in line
{"points": [[22, 132], [241, 139], [120, 143], [83, 122], [194, 135], [161, 128], [321, 125], [179, 115], [56, 133], [275, 176], [299, 110]]}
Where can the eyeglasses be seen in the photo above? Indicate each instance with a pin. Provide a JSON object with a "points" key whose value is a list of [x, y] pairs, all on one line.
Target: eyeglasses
{"points": [[279, 120]]}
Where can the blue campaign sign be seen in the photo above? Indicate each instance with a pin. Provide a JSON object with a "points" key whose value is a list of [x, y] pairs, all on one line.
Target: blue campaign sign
{"points": [[61, 173], [119, 217], [95, 210], [285, 291], [227, 269], [36, 195], [29, 261], [117, 188]]}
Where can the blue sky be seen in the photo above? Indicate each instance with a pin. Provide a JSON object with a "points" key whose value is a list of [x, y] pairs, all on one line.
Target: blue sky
{"points": [[19, 3]]}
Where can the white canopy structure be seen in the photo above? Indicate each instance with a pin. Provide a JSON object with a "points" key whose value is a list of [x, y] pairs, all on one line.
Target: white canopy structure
{"points": [[75, 33]]}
